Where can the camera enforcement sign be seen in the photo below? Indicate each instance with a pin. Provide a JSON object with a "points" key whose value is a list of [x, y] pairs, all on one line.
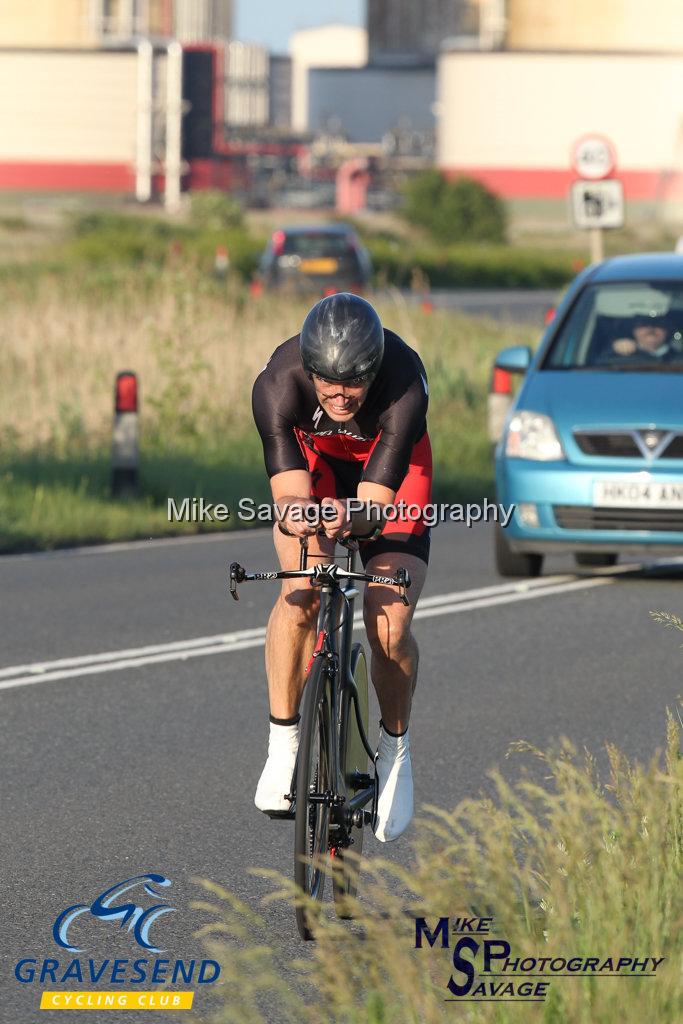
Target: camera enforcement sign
{"points": [[598, 204]]}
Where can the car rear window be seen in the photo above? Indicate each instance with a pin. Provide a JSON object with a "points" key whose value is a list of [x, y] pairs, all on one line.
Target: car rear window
{"points": [[633, 326], [312, 244]]}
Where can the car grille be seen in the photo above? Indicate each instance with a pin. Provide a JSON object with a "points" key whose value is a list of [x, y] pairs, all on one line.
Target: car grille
{"points": [[630, 444], [585, 517]]}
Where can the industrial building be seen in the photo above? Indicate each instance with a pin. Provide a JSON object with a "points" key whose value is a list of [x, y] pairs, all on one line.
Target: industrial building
{"points": [[94, 23], [403, 31], [366, 104], [338, 46], [511, 116], [142, 97]]}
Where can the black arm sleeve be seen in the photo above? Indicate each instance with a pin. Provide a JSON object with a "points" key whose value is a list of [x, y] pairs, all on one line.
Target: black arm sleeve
{"points": [[274, 402], [402, 425]]}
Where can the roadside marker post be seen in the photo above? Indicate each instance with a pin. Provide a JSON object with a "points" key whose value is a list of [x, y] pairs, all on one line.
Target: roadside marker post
{"points": [[221, 263], [498, 402], [125, 448]]}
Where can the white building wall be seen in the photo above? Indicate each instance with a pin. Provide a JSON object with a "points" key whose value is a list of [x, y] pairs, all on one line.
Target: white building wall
{"points": [[524, 111], [68, 106], [330, 46]]}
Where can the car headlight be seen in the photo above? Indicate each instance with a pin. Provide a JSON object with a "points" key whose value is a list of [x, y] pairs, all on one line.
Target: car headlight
{"points": [[531, 435]]}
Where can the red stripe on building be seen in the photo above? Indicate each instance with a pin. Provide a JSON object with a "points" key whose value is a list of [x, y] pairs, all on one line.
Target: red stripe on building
{"points": [[549, 183], [77, 177]]}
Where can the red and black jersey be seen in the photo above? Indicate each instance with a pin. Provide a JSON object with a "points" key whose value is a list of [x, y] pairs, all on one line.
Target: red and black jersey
{"points": [[391, 420]]}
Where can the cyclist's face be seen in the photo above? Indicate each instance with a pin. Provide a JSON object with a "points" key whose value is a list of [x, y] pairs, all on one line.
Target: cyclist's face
{"points": [[340, 401]]}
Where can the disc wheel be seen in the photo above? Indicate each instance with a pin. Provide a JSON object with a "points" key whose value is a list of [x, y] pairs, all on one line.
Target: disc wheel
{"points": [[313, 779], [355, 762]]}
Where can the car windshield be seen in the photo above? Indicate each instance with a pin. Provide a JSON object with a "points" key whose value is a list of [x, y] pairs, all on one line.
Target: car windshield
{"points": [[626, 327], [311, 244]]}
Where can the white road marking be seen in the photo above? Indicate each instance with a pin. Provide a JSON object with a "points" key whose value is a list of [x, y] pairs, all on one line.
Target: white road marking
{"points": [[224, 643]]}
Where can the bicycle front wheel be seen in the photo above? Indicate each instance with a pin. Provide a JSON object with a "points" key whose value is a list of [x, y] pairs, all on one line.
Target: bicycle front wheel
{"points": [[355, 763], [313, 782]]}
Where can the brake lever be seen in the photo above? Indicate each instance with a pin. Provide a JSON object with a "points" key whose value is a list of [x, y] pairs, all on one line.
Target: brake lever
{"points": [[237, 575], [403, 581]]}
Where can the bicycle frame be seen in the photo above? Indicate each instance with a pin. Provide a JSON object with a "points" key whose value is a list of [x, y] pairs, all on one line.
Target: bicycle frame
{"points": [[335, 615], [335, 631]]}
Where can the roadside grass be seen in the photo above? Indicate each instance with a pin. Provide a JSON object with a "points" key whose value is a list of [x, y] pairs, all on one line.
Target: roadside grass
{"points": [[568, 865], [197, 344]]}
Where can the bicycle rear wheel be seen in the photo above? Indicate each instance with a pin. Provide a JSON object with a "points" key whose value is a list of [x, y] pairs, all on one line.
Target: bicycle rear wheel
{"points": [[354, 763], [313, 780]]}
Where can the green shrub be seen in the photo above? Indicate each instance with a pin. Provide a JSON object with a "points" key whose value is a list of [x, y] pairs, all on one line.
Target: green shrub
{"points": [[453, 211], [215, 210], [468, 266], [107, 240]]}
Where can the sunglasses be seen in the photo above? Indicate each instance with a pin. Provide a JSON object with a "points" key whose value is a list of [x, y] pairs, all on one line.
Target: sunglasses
{"points": [[354, 382]]}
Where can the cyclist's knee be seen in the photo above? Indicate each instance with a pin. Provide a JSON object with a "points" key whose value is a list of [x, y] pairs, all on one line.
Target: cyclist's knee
{"points": [[387, 626], [300, 605]]}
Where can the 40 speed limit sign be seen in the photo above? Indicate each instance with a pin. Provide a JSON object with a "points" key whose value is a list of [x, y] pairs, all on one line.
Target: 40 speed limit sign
{"points": [[593, 157]]}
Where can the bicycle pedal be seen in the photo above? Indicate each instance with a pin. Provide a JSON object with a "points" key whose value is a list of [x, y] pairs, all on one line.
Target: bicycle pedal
{"points": [[286, 815]]}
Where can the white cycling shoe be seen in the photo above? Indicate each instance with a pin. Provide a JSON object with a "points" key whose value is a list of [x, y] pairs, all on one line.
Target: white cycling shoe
{"points": [[395, 786], [276, 777]]}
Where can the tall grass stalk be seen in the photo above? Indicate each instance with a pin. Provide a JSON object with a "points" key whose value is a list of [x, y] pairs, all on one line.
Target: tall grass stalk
{"points": [[567, 864]]}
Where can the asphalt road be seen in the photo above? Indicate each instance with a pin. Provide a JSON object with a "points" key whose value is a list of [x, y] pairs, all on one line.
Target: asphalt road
{"points": [[147, 760]]}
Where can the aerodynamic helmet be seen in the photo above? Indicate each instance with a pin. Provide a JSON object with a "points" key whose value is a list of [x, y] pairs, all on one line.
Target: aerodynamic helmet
{"points": [[342, 339]]}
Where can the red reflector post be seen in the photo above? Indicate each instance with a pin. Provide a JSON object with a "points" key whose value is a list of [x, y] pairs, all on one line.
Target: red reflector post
{"points": [[126, 392], [278, 242], [124, 447], [549, 315], [502, 382]]}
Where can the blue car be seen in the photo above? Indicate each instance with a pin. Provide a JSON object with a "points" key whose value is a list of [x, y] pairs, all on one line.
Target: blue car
{"points": [[591, 449]]}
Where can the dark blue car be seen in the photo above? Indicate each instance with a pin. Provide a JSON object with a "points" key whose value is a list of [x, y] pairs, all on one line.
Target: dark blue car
{"points": [[591, 451]]}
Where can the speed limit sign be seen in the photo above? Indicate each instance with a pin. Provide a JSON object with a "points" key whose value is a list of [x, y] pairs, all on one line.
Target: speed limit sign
{"points": [[593, 157]]}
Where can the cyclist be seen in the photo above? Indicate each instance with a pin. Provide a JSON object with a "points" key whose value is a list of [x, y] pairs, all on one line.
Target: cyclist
{"points": [[341, 411]]}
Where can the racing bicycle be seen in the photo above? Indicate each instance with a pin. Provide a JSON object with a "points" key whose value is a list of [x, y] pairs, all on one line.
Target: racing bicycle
{"points": [[331, 785]]}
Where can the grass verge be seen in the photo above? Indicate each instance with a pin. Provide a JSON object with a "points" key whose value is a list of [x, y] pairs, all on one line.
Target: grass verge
{"points": [[197, 344], [566, 864]]}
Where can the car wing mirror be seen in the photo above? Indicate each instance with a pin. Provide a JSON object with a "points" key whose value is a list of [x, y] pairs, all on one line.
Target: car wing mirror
{"points": [[515, 360]]}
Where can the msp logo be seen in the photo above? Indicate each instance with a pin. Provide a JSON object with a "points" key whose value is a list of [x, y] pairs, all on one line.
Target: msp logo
{"points": [[485, 969], [105, 908]]}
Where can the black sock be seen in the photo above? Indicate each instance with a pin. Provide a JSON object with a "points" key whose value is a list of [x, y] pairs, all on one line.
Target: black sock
{"points": [[390, 733], [284, 721]]}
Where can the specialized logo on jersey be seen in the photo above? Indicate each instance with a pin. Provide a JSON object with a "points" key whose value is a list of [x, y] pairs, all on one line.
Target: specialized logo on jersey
{"points": [[317, 416], [341, 433]]}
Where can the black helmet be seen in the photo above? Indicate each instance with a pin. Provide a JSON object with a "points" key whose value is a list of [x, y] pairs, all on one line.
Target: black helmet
{"points": [[342, 339]]}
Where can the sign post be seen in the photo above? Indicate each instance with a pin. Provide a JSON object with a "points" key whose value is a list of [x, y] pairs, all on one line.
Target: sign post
{"points": [[597, 201]]}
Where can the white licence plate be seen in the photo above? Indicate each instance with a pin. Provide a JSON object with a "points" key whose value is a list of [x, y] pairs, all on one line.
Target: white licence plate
{"points": [[637, 494]]}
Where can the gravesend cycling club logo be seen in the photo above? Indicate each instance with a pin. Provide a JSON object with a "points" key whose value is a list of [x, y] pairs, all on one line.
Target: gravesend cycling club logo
{"points": [[133, 906], [106, 908], [486, 969]]}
